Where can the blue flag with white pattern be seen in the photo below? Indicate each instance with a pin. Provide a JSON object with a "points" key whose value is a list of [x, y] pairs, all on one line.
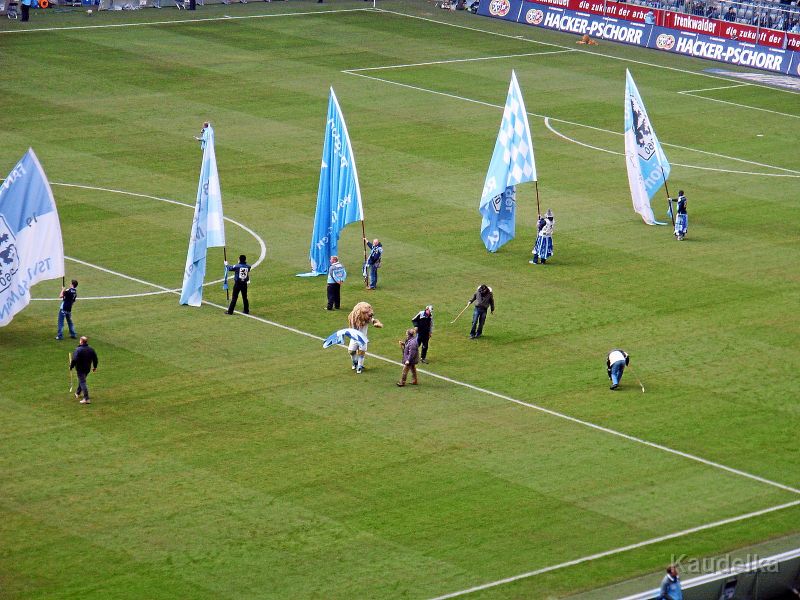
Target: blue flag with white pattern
{"points": [[647, 165], [208, 226], [31, 247], [338, 195], [512, 163]]}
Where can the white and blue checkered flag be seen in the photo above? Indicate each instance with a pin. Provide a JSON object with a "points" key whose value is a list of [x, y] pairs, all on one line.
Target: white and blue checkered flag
{"points": [[512, 163]]}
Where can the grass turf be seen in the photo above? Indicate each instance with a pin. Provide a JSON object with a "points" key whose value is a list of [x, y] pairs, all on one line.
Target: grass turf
{"points": [[229, 458]]}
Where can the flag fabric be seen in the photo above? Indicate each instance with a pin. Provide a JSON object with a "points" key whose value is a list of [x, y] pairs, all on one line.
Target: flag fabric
{"points": [[337, 337], [648, 168], [208, 226], [338, 195], [512, 163], [31, 246]]}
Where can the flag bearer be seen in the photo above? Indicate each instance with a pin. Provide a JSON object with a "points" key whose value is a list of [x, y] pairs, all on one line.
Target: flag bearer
{"points": [[241, 278], [681, 216], [68, 297], [543, 249]]}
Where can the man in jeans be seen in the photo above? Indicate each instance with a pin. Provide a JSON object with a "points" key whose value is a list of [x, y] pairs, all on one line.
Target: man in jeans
{"points": [[68, 297], [84, 360], [374, 262], [483, 299], [615, 365]]}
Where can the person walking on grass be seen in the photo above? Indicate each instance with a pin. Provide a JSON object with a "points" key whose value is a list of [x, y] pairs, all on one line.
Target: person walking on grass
{"points": [[410, 356], [84, 361], [68, 297], [484, 300], [241, 279], [360, 318], [423, 321]]}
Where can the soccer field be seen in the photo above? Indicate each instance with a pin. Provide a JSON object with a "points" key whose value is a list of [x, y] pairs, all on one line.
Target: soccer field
{"points": [[233, 457]]}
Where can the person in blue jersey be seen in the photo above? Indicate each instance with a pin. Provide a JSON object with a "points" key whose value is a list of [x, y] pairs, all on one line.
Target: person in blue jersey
{"points": [[543, 249], [202, 138], [336, 277], [671, 585], [68, 297], [616, 362], [374, 262], [241, 278], [84, 360], [681, 216]]}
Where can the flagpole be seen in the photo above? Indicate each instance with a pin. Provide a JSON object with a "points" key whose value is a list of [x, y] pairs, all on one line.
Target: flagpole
{"points": [[538, 210], [669, 199], [225, 258], [364, 238]]}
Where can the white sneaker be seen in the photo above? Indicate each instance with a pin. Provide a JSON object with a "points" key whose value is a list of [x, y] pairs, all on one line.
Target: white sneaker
{"points": [[359, 369], [86, 401]]}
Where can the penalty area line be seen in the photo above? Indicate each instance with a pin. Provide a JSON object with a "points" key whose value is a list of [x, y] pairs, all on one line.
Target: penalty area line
{"points": [[620, 550], [500, 396]]}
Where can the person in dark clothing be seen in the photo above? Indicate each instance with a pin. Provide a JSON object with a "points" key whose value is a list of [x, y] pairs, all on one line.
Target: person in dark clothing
{"points": [[423, 321], [681, 216], [373, 262], [84, 361], [241, 277], [68, 297], [483, 299], [410, 350]]}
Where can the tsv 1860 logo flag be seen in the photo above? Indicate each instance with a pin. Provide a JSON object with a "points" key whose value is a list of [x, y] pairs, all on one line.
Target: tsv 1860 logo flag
{"points": [[648, 168], [512, 163], [208, 226], [31, 247], [338, 195]]}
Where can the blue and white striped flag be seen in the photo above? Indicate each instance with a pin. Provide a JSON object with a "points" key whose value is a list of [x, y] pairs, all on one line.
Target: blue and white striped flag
{"points": [[208, 226], [337, 337], [512, 163], [338, 195], [31, 247], [648, 168]]}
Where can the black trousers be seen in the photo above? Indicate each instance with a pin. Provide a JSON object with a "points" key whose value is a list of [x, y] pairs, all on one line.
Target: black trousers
{"points": [[25, 10], [334, 295], [239, 287], [423, 340]]}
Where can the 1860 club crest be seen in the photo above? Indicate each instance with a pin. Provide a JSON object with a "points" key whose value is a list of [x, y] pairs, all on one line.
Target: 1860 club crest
{"points": [[9, 259], [645, 146]]}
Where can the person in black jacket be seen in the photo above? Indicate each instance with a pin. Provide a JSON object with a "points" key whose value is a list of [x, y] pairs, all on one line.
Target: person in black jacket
{"points": [[241, 277], [68, 297], [84, 360], [423, 321], [483, 299]]}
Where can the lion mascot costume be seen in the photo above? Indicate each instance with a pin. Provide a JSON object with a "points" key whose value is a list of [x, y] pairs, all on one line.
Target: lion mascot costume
{"points": [[360, 318]]}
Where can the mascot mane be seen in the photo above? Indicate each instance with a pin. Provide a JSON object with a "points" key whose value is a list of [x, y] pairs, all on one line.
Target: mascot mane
{"points": [[360, 315]]}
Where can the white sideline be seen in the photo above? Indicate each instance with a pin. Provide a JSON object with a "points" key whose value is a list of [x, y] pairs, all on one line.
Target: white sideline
{"points": [[619, 550], [202, 20], [542, 409], [500, 107], [590, 52], [699, 168], [460, 60], [767, 110]]}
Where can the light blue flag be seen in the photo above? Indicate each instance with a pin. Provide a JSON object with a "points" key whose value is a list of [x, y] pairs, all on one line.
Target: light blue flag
{"points": [[337, 337], [208, 226], [647, 165], [31, 247], [512, 163], [338, 195]]}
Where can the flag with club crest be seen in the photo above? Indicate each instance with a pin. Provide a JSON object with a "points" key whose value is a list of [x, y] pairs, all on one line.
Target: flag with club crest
{"points": [[648, 168], [338, 195], [208, 226], [512, 163], [31, 247]]}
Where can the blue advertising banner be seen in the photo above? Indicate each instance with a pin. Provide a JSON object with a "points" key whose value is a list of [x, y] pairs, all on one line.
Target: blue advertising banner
{"points": [[685, 43]]}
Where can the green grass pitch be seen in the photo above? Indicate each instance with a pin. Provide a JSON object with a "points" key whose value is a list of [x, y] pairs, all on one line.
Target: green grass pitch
{"points": [[233, 457]]}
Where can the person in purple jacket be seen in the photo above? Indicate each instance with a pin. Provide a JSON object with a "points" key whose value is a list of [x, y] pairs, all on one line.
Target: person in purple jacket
{"points": [[410, 357]]}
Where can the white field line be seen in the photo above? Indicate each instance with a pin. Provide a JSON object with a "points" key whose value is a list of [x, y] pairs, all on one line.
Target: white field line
{"points": [[590, 52], [178, 21], [767, 110], [619, 550], [460, 60], [541, 409], [162, 290], [715, 169], [720, 87], [501, 107]]}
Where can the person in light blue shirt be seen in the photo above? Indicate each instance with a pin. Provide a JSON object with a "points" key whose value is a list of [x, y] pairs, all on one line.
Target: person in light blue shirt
{"points": [[336, 277], [671, 585]]}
